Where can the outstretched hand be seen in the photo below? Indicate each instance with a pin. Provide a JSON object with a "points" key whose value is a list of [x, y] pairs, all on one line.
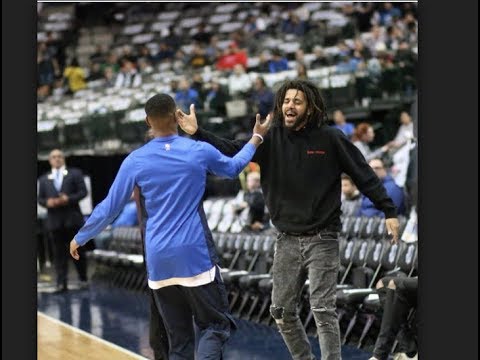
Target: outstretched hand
{"points": [[188, 123], [262, 128]]}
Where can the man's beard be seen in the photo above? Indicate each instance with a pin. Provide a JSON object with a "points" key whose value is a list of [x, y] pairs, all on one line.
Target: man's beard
{"points": [[296, 124]]}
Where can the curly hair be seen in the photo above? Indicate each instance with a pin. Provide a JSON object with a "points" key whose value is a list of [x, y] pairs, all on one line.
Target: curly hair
{"points": [[315, 103]]}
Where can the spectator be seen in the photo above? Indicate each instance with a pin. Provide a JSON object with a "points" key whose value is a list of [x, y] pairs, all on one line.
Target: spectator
{"points": [[185, 96], [202, 36], [128, 54], [300, 57], [216, 99], [231, 57], [239, 81], [376, 39], [405, 131], [348, 64], [359, 46], [95, 72], [341, 123], [320, 60], [351, 197], [174, 40], [198, 86], [393, 191], [362, 137], [263, 62], [249, 204], [98, 56], [75, 77], [250, 26], [180, 61], [164, 53], [46, 70], [111, 62], [55, 50], [262, 98], [146, 56], [198, 58], [302, 71], [293, 25], [385, 16], [212, 51], [278, 62], [128, 75], [399, 296], [109, 76]]}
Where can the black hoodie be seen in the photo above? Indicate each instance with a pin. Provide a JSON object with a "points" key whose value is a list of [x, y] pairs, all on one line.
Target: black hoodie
{"points": [[301, 175]]}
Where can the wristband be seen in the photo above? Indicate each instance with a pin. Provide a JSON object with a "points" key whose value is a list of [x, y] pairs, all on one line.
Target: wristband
{"points": [[259, 136]]}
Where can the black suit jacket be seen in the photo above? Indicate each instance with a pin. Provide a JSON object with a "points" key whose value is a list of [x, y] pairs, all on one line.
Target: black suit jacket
{"points": [[73, 185]]}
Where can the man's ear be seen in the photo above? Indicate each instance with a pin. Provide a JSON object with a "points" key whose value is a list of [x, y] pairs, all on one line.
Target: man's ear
{"points": [[148, 123]]}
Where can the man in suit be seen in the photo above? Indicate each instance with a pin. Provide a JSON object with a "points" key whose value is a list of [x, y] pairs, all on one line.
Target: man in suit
{"points": [[60, 191]]}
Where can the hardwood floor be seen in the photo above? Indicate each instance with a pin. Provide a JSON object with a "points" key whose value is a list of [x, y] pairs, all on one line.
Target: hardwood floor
{"points": [[57, 340]]}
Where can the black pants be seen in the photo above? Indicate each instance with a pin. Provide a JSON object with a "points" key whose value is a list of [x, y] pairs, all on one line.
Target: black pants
{"points": [[397, 304], [61, 240], [207, 306], [158, 334]]}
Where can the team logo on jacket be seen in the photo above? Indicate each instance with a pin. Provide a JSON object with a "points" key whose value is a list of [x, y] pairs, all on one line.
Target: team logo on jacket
{"points": [[167, 147]]}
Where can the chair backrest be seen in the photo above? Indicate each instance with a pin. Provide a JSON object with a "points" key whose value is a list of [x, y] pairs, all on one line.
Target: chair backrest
{"points": [[375, 255], [347, 224], [391, 255], [406, 259], [370, 227], [236, 108], [347, 253], [381, 231], [358, 226], [262, 254], [361, 251]]}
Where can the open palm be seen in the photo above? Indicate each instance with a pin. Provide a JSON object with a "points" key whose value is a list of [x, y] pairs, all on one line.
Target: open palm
{"points": [[188, 123]]}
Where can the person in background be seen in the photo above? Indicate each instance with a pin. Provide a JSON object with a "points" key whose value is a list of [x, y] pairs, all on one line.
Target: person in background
{"points": [[75, 76], [405, 131], [351, 197], [395, 192], [60, 191], [128, 75], [362, 137], [239, 82], [278, 62], [262, 97], [186, 95], [249, 204], [216, 98], [341, 123]]}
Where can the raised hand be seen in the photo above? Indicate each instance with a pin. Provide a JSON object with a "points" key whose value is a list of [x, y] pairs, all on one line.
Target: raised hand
{"points": [[262, 128], [188, 123]]}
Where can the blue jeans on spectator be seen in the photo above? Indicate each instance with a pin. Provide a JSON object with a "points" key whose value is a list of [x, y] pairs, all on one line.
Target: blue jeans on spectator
{"points": [[296, 259]]}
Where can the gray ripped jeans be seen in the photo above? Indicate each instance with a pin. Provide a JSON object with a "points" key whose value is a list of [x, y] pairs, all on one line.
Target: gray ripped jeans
{"points": [[296, 259]]}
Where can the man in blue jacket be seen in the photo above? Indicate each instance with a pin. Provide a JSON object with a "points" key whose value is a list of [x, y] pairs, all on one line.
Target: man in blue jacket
{"points": [[170, 172], [394, 191]]}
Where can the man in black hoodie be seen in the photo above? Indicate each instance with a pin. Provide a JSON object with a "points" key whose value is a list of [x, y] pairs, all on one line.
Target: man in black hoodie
{"points": [[301, 164]]}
